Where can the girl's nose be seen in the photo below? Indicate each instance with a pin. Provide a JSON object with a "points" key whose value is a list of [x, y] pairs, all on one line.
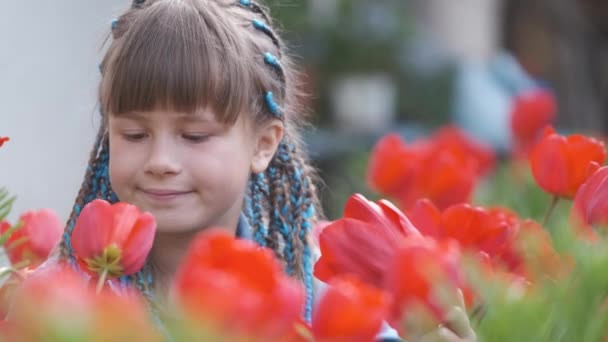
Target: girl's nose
{"points": [[162, 159]]}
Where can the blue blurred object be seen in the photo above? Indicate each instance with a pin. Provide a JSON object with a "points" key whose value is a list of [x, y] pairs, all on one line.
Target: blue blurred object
{"points": [[483, 96]]}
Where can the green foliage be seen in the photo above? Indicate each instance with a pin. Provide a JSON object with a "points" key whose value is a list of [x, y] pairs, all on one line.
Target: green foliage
{"points": [[6, 203], [570, 307]]}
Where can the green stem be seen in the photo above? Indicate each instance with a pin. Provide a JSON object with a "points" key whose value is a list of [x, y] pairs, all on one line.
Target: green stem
{"points": [[14, 269], [17, 243], [21, 264], [554, 201], [102, 280]]}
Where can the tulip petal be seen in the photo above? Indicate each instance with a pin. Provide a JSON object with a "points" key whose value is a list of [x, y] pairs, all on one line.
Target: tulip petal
{"points": [[426, 218], [549, 161], [349, 311], [92, 230], [137, 246], [354, 247]]}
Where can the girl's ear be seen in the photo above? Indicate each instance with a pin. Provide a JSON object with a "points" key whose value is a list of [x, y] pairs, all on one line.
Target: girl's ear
{"points": [[267, 140]]}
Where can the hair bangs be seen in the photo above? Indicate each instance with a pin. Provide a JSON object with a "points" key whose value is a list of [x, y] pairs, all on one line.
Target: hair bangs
{"points": [[171, 58]]}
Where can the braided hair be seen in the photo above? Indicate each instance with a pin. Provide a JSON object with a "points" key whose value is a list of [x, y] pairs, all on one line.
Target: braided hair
{"points": [[230, 58]]}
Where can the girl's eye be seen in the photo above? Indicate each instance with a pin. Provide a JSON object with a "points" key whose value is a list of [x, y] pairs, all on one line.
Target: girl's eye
{"points": [[195, 138], [135, 136]]}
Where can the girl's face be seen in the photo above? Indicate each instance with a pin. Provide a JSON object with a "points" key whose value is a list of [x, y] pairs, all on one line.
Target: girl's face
{"points": [[189, 170]]}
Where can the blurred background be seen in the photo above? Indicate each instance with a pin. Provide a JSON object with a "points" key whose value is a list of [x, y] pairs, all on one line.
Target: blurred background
{"points": [[371, 67]]}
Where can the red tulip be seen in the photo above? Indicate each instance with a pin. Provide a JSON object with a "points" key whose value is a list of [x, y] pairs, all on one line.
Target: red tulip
{"points": [[448, 178], [532, 111], [443, 168], [112, 240], [349, 311], [491, 231], [238, 287], [561, 164], [392, 166], [454, 138], [39, 232], [3, 140], [424, 273], [591, 201], [361, 243], [57, 303]]}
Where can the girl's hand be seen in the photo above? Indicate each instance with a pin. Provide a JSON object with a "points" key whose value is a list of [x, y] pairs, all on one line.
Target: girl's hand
{"points": [[457, 327]]}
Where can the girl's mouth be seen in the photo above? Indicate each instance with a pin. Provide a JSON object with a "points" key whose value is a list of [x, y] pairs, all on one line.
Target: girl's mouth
{"points": [[164, 195]]}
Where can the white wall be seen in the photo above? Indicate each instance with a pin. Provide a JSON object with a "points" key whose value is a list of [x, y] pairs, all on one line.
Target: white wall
{"points": [[467, 30], [49, 56]]}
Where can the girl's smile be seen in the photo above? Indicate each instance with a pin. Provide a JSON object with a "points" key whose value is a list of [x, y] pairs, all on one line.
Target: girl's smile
{"points": [[160, 196]]}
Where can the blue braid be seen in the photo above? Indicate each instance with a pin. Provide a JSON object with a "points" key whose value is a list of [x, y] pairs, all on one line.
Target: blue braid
{"points": [[286, 225], [137, 3], [261, 26], [99, 187], [272, 105], [268, 57], [67, 234], [271, 60], [281, 217], [306, 228], [261, 231], [248, 205]]}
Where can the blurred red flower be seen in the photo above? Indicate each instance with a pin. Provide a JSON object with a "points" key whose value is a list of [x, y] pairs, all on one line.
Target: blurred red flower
{"points": [[444, 167], [39, 233], [561, 164], [591, 201], [56, 302], [532, 111], [238, 287], [427, 273], [349, 310]]}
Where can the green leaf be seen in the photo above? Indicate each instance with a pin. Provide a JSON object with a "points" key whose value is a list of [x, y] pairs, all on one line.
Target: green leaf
{"points": [[6, 203]]}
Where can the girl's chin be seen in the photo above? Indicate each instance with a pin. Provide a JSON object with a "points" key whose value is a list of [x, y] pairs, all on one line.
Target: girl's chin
{"points": [[176, 228]]}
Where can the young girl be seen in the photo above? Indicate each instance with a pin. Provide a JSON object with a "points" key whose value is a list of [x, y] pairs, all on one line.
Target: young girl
{"points": [[200, 117]]}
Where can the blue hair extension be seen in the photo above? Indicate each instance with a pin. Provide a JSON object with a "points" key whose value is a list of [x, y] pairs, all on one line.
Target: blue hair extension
{"points": [[305, 230], [288, 222], [272, 105], [280, 212], [137, 3], [260, 25], [271, 60], [67, 234], [259, 187], [248, 205]]}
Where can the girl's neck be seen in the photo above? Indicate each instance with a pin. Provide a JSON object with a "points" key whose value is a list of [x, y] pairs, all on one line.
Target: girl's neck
{"points": [[167, 253]]}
